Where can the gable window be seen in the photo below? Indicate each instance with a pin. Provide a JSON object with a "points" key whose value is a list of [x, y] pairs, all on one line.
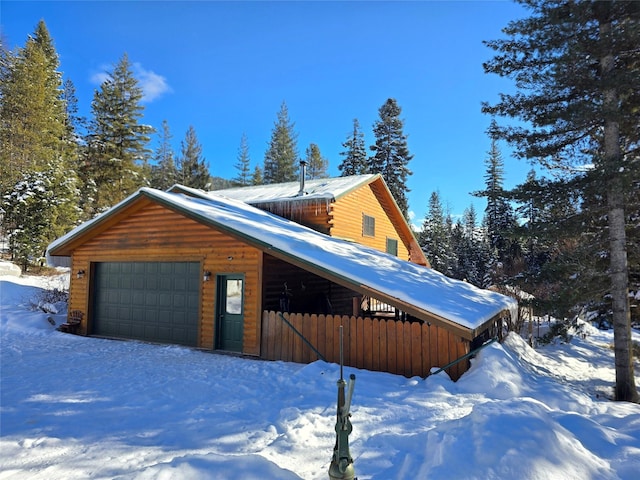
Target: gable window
{"points": [[392, 246], [368, 226]]}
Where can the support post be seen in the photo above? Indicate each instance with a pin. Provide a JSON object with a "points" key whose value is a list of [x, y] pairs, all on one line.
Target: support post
{"points": [[341, 467]]}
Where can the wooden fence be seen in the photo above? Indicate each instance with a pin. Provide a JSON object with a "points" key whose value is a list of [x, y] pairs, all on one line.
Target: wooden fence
{"points": [[386, 345]]}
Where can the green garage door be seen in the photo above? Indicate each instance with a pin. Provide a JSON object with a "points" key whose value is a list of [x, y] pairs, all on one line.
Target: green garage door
{"points": [[152, 301]]}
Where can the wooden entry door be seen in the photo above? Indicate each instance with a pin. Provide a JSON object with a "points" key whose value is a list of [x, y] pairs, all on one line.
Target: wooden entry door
{"points": [[230, 312]]}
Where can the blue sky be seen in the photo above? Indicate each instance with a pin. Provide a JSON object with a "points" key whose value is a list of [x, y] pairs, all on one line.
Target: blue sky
{"points": [[226, 68]]}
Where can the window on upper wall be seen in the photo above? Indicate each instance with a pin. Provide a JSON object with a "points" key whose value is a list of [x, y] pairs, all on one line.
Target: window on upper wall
{"points": [[368, 226], [392, 246]]}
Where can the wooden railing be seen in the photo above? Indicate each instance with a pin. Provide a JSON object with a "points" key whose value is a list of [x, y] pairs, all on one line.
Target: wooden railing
{"points": [[373, 305], [386, 345]]}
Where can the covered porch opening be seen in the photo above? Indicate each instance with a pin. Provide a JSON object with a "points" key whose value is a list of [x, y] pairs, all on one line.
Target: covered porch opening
{"points": [[315, 308]]}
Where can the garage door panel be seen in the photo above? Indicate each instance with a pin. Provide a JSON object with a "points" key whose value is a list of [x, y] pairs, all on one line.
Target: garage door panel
{"points": [[125, 297], [178, 300], [178, 318], [137, 298], [166, 335], [124, 314], [193, 301], [165, 317], [165, 283], [153, 301]]}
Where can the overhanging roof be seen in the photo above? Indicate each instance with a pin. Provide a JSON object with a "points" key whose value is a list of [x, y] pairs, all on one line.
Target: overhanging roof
{"points": [[321, 190], [420, 291]]}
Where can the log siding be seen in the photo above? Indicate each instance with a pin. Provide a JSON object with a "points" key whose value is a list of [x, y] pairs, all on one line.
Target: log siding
{"points": [[348, 214], [155, 233]]}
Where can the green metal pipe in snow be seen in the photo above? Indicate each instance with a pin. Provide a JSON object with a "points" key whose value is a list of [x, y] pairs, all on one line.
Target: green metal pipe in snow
{"points": [[466, 355]]}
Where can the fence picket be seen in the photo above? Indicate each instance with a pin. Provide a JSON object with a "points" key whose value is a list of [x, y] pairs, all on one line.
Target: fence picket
{"points": [[379, 344]]}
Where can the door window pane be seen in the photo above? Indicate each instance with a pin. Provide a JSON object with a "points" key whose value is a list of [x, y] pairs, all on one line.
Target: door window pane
{"points": [[234, 296]]}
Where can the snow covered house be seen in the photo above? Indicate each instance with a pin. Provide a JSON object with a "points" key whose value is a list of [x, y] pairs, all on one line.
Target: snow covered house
{"points": [[209, 271]]}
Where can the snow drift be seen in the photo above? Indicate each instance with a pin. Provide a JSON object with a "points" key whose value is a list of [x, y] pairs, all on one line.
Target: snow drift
{"points": [[75, 407]]}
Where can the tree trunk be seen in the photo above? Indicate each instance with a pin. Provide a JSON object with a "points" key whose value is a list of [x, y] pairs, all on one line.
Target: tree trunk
{"points": [[625, 388]]}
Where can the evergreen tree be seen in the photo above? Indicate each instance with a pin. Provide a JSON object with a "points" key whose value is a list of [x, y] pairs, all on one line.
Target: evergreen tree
{"points": [[75, 123], [256, 177], [193, 170], [391, 155], [243, 178], [499, 219], [38, 148], [32, 111], [458, 250], [469, 253], [577, 69], [281, 158], [355, 153], [117, 141], [164, 174], [317, 165], [563, 263], [38, 208], [434, 239]]}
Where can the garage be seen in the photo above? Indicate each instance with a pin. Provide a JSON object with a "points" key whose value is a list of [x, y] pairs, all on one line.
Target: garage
{"points": [[151, 301]]}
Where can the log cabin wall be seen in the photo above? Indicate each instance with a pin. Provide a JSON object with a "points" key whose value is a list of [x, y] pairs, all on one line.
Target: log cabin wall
{"points": [[343, 218], [310, 213], [347, 221], [155, 233]]}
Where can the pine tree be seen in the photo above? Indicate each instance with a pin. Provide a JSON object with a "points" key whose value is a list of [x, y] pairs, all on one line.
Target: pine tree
{"points": [[257, 177], [542, 209], [391, 155], [38, 208], [38, 149], [355, 153], [164, 174], [564, 267], [117, 141], [434, 239], [577, 70], [243, 167], [32, 111], [75, 123], [317, 165], [473, 251], [193, 170], [281, 158], [499, 219]]}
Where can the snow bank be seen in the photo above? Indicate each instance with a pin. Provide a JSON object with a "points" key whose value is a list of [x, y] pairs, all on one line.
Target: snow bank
{"points": [[75, 407], [8, 268]]}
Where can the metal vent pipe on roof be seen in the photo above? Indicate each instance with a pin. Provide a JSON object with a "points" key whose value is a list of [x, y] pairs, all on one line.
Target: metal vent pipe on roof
{"points": [[303, 174]]}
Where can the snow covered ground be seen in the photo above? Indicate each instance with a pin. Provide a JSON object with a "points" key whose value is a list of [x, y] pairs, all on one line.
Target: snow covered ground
{"points": [[76, 408]]}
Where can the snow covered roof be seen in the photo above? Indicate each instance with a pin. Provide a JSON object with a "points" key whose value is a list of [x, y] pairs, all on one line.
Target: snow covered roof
{"points": [[283, 198], [327, 189], [419, 290]]}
